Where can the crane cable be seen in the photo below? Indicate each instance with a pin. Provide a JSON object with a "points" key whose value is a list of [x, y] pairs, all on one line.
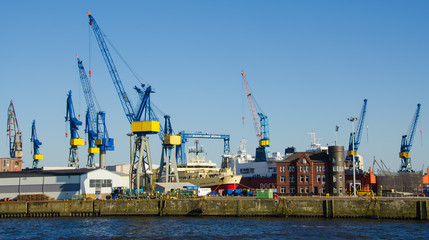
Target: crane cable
{"points": [[136, 75]]}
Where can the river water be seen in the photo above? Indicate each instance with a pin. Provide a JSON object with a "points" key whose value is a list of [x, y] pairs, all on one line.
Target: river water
{"points": [[210, 228]]}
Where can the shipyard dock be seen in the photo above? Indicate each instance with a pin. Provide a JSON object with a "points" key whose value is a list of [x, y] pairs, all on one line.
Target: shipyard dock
{"points": [[326, 207]]}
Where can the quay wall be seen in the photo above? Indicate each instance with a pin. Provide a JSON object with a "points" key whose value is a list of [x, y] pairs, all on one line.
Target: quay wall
{"points": [[388, 208]]}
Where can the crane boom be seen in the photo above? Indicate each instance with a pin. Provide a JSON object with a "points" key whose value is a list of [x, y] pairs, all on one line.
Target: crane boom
{"points": [[407, 143], [125, 101], [252, 107], [88, 92]]}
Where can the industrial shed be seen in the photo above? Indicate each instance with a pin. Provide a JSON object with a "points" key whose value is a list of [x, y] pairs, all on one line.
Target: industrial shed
{"points": [[58, 184]]}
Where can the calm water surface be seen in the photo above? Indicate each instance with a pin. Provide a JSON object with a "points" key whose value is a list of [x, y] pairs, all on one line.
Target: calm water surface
{"points": [[209, 228]]}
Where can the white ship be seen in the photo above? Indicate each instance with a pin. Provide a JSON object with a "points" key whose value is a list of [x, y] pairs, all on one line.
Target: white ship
{"points": [[206, 174]]}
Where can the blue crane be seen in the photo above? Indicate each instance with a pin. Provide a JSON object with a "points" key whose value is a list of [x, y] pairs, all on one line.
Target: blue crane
{"points": [[355, 138], [95, 126], [75, 140], [261, 127], [140, 118], [407, 143], [36, 144], [181, 154]]}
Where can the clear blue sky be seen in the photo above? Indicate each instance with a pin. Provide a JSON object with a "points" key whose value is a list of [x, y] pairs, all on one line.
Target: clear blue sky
{"points": [[309, 64]]}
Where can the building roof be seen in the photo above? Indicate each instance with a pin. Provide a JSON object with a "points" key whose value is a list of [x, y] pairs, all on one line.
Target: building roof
{"points": [[40, 173], [317, 156]]}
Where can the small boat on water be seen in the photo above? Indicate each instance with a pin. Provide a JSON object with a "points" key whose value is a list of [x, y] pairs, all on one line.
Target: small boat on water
{"points": [[206, 174]]}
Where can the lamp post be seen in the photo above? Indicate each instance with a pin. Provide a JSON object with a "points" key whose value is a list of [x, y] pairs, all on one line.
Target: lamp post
{"points": [[352, 119], [131, 160]]}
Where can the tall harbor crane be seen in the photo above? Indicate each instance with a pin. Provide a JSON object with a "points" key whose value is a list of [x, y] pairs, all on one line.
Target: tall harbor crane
{"points": [[36, 144], [407, 143], [142, 124], [357, 135], [261, 126], [15, 136], [75, 140], [95, 126]]}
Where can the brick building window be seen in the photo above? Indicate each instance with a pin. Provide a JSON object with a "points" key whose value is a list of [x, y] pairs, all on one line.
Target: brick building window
{"points": [[301, 190], [292, 190], [300, 168], [307, 178], [282, 178], [291, 168], [318, 178], [306, 190], [341, 190], [340, 178], [323, 179], [282, 189], [302, 178], [291, 178]]}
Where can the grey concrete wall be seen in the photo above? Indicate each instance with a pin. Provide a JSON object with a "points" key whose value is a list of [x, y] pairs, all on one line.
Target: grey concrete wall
{"points": [[412, 208]]}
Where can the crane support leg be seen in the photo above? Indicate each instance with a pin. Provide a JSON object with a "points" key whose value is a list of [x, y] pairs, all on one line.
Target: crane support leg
{"points": [[35, 163], [169, 167], [103, 159], [74, 157], [90, 162], [141, 166]]}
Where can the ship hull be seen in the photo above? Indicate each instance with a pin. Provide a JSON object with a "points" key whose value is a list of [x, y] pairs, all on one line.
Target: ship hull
{"points": [[217, 183], [259, 183]]}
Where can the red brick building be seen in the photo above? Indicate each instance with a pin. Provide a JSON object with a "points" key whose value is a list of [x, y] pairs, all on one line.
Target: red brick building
{"points": [[10, 164], [304, 173]]}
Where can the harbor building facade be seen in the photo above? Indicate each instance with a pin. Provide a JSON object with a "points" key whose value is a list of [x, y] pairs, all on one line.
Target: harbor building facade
{"points": [[10, 164], [59, 184], [304, 173]]}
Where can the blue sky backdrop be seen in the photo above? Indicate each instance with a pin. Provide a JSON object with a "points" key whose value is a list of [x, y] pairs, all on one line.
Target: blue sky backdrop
{"points": [[309, 65]]}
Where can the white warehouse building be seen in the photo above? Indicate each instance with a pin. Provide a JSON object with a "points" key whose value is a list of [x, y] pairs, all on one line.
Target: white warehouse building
{"points": [[59, 184]]}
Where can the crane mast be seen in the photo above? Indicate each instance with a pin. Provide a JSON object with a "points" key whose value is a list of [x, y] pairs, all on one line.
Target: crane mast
{"points": [[261, 127], [357, 137], [141, 172], [95, 126], [75, 140], [15, 136], [407, 143], [36, 145]]}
